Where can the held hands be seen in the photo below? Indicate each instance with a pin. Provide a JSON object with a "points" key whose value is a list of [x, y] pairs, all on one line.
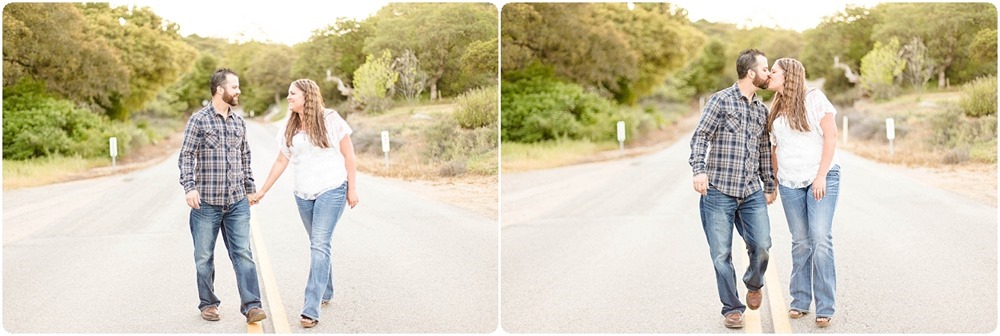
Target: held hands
{"points": [[255, 197], [771, 197], [193, 199]]}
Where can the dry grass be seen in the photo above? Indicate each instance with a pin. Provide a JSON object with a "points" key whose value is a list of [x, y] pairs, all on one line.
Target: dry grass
{"points": [[36, 172]]}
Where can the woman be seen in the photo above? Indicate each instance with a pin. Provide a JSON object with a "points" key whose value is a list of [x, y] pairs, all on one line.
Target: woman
{"points": [[804, 135], [317, 141]]}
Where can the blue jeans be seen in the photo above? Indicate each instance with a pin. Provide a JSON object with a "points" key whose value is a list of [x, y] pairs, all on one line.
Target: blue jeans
{"points": [[811, 223], [234, 222], [719, 213], [320, 216]]}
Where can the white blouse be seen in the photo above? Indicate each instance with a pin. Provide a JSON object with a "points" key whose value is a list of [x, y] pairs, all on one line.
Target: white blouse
{"points": [[799, 153], [317, 169]]}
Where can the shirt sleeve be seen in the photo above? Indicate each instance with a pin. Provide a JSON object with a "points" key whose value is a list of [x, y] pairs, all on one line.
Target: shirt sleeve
{"points": [[703, 134], [337, 127], [187, 159], [248, 182], [766, 166]]}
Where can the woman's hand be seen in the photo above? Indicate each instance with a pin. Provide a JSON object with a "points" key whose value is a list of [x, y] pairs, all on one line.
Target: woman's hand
{"points": [[352, 197], [819, 187]]}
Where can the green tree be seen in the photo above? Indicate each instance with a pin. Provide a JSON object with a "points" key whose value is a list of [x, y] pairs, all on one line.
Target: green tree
{"points": [[151, 49], [846, 36], [947, 29], [440, 34], [337, 48], [373, 80], [51, 43], [411, 78], [880, 68]]}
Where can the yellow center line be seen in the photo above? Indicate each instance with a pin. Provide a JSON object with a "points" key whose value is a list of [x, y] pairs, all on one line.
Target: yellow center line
{"points": [[776, 296], [277, 314]]}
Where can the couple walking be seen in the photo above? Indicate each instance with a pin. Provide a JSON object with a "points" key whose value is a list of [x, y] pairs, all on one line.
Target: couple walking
{"points": [[737, 146], [219, 187]]}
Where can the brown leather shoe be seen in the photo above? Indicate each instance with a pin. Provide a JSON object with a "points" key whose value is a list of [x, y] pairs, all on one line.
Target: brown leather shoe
{"points": [[734, 320], [753, 299], [255, 315], [210, 313]]}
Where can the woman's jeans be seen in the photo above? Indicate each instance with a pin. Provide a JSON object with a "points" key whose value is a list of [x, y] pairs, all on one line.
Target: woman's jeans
{"points": [[810, 223], [319, 217], [719, 214], [234, 222]]}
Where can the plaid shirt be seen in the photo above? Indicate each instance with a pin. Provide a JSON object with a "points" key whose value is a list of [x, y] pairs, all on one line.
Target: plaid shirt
{"points": [[740, 156], [215, 157]]}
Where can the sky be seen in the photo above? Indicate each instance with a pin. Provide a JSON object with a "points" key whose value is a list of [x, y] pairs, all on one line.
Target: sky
{"points": [[293, 21], [285, 21]]}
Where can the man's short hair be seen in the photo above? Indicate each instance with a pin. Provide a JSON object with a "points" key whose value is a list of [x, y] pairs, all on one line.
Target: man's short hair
{"points": [[219, 78], [746, 61]]}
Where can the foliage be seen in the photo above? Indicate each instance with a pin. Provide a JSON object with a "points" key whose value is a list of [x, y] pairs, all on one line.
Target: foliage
{"points": [[36, 124], [150, 49], [411, 78], [459, 148], [919, 68], [947, 29], [337, 48], [627, 52], [477, 108], [51, 43], [846, 35], [373, 80], [880, 68], [979, 97], [440, 34]]}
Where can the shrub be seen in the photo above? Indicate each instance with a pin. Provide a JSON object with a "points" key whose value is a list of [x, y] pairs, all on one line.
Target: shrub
{"points": [[542, 108], [477, 108], [37, 125], [980, 97]]}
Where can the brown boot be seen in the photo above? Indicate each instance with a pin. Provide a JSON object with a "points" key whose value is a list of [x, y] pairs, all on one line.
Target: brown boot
{"points": [[210, 313], [753, 299], [734, 320], [255, 315]]}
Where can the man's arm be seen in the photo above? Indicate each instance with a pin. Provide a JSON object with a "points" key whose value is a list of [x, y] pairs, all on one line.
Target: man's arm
{"points": [[188, 157], [766, 167], [248, 183], [703, 134]]}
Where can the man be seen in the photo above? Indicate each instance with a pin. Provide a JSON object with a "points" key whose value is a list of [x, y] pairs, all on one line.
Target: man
{"points": [[730, 157], [217, 181]]}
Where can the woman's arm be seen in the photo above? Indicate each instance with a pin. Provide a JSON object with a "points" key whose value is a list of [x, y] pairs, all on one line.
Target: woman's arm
{"points": [[280, 163], [347, 149], [829, 146]]}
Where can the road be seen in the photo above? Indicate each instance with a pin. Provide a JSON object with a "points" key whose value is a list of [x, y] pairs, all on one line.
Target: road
{"points": [[617, 247], [114, 255]]}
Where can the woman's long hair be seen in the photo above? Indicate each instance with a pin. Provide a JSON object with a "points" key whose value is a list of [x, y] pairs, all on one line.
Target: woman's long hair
{"points": [[312, 119], [791, 101]]}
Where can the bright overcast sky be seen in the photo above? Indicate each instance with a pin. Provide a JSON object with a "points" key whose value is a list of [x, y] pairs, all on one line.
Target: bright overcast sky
{"points": [[292, 21], [284, 21]]}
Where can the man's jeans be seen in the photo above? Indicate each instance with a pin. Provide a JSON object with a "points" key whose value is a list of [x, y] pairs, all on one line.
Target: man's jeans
{"points": [[810, 223], [234, 222], [719, 213], [319, 217]]}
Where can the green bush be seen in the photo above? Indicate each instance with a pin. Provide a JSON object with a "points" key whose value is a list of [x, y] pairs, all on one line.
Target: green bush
{"points": [[477, 108], [541, 108], [38, 125], [458, 149], [980, 97], [969, 137]]}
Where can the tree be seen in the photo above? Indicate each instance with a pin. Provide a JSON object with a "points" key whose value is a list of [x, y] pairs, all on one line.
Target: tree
{"points": [[947, 29], [373, 80], [337, 48], [150, 48], [919, 68], [845, 36], [411, 79], [50, 42], [439, 34], [880, 68]]}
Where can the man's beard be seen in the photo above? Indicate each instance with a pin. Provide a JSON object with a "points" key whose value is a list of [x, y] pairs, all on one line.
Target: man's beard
{"points": [[761, 82], [230, 99]]}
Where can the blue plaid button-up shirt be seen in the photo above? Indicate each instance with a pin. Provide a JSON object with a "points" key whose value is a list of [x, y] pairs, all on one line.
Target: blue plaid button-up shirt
{"points": [[732, 146], [215, 157]]}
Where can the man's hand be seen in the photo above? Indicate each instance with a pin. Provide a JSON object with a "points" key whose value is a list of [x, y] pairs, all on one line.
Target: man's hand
{"points": [[771, 197], [254, 198], [193, 199], [701, 183]]}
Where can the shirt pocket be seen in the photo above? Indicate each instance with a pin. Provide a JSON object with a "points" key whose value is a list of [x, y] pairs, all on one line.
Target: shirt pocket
{"points": [[212, 139], [237, 139], [731, 122]]}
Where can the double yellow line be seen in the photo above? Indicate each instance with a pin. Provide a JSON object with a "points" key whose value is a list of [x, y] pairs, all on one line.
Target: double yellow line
{"points": [[277, 314]]}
